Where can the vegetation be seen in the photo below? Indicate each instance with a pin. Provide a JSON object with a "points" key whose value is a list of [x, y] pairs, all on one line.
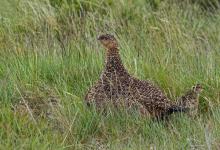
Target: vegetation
{"points": [[49, 49]]}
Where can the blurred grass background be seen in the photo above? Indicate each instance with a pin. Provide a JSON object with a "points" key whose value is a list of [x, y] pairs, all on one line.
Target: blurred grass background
{"points": [[50, 45]]}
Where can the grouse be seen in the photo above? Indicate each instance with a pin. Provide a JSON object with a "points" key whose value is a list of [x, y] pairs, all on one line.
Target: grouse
{"points": [[191, 100], [117, 86]]}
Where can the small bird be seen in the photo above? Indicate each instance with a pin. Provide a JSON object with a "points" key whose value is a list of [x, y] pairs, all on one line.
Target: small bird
{"points": [[115, 85], [191, 99]]}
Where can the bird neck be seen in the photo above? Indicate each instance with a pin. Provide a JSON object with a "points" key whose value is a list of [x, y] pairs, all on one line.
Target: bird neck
{"points": [[192, 94], [113, 61]]}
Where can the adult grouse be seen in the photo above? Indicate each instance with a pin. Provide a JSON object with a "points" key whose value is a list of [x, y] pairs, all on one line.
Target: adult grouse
{"points": [[117, 86]]}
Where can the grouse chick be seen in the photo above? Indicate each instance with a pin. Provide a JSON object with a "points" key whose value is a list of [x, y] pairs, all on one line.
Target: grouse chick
{"points": [[191, 100]]}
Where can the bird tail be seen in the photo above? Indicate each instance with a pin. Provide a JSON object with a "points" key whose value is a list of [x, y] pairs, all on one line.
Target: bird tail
{"points": [[173, 109]]}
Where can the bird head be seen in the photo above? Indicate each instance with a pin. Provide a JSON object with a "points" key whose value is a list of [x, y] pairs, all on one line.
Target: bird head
{"points": [[108, 41], [197, 88]]}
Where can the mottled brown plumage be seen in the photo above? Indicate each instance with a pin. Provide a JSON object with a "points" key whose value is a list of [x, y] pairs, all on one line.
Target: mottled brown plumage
{"points": [[191, 100], [116, 85]]}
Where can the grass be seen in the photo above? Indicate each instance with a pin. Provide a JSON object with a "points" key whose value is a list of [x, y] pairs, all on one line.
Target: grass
{"points": [[46, 47]]}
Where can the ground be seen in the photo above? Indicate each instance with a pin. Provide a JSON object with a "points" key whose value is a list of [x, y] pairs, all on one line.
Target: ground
{"points": [[50, 50]]}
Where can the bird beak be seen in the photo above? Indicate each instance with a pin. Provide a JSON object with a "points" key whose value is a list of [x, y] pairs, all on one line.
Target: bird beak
{"points": [[98, 38]]}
